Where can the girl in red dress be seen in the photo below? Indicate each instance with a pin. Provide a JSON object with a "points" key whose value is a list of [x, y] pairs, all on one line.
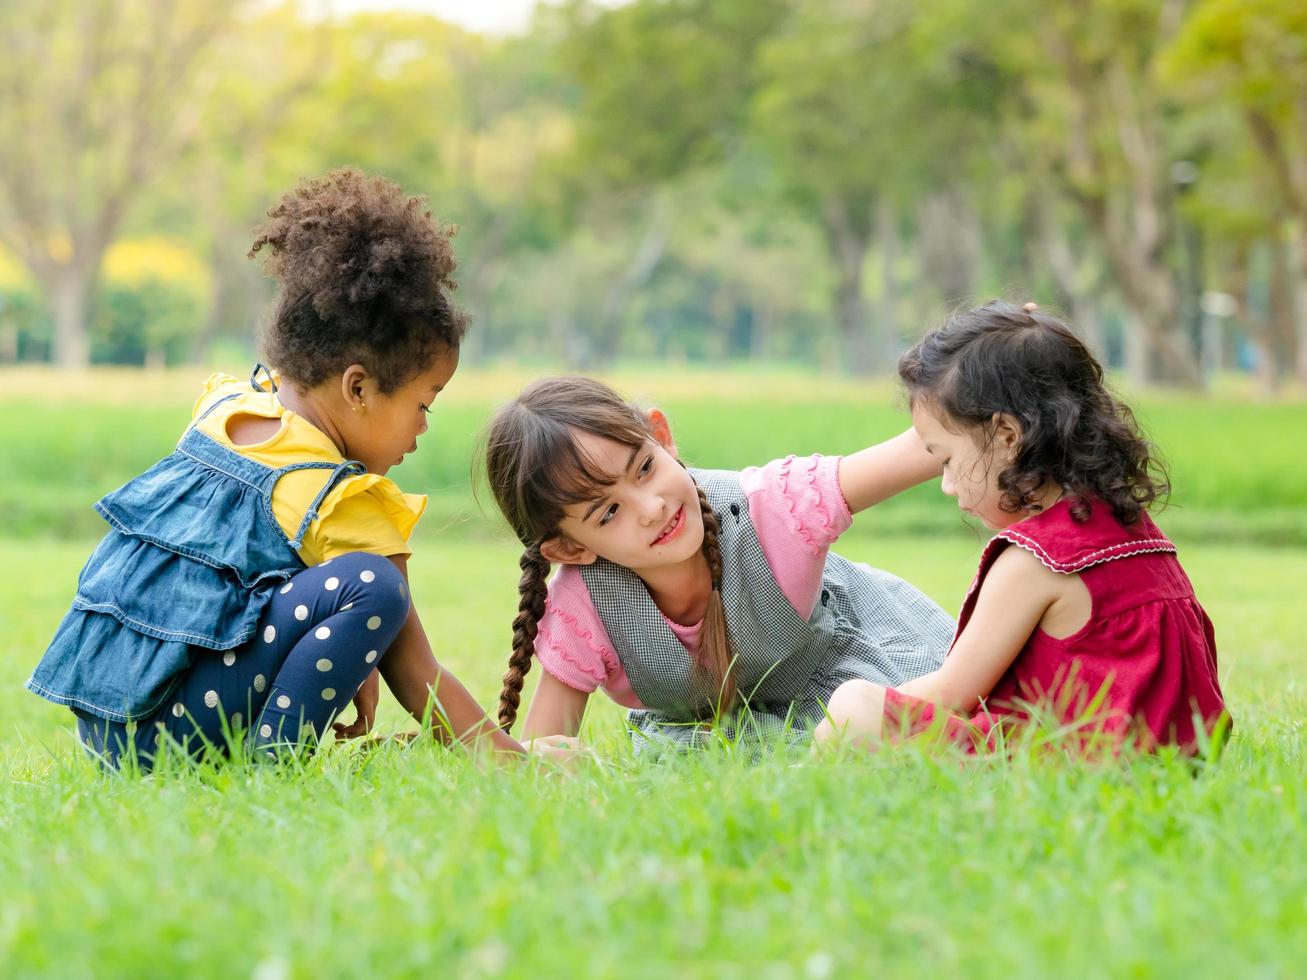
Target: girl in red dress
{"points": [[1080, 610]]}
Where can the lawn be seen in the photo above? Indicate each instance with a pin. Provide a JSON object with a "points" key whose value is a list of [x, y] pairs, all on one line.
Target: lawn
{"points": [[416, 860]]}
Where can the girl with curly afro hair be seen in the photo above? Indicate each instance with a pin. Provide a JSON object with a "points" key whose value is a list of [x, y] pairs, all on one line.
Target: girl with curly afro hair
{"points": [[255, 581], [1080, 612]]}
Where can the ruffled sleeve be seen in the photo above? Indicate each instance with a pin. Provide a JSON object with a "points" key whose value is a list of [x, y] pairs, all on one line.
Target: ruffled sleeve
{"points": [[215, 386], [798, 510], [799, 496], [367, 513], [571, 643]]}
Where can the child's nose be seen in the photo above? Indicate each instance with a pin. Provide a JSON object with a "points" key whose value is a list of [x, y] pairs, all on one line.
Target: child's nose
{"points": [[653, 508]]}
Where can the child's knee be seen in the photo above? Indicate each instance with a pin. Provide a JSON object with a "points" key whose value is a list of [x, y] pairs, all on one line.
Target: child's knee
{"points": [[380, 584], [856, 709]]}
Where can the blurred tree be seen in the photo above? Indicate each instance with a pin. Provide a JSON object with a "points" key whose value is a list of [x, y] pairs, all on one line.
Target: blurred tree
{"points": [[664, 94], [870, 107], [96, 97], [1093, 116], [1253, 54], [153, 295]]}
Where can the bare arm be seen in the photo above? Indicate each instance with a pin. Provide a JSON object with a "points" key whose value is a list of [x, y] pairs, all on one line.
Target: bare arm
{"points": [[879, 472], [417, 680], [556, 709], [1012, 600]]}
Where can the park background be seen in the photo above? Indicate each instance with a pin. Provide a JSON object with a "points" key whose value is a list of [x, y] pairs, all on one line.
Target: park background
{"points": [[742, 211]]}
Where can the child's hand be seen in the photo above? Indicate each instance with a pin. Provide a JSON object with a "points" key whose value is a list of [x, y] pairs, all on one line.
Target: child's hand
{"points": [[365, 703], [565, 749]]}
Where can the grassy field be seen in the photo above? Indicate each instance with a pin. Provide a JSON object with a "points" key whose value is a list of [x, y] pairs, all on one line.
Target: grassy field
{"points": [[1237, 467], [413, 860]]}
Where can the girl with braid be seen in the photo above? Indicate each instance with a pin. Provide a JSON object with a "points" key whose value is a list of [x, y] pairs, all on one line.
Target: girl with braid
{"points": [[255, 582], [699, 599]]}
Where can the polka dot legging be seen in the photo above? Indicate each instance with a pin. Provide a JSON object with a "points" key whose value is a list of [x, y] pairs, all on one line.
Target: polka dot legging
{"points": [[322, 634]]}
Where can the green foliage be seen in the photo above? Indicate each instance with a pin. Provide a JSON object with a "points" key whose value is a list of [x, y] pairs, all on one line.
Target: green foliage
{"points": [[665, 84], [154, 295], [690, 179]]}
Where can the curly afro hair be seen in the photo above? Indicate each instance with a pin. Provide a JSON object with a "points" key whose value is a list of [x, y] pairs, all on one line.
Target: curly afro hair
{"points": [[365, 274]]}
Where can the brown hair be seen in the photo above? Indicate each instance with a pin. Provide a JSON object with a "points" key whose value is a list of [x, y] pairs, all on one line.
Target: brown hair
{"points": [[365, 274], [1005, 359], [536, 469]]}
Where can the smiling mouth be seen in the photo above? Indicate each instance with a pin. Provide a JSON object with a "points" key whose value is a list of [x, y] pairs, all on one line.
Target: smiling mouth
{"points": [[672, 529]]}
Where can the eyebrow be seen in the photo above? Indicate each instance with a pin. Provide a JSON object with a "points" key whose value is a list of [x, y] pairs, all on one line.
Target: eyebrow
{"points": [[629, 463]]}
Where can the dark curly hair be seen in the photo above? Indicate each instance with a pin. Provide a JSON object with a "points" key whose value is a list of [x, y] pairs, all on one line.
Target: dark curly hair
{"points": [[1005, 359], [366, 275]]}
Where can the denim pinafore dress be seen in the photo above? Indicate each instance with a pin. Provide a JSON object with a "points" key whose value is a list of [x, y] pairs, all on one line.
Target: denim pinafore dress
{"points": [[868, 624], [192, 557]]}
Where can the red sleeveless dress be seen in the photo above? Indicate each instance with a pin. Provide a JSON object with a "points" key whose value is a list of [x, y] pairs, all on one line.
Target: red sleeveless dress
{"points": [[1148, 651]]}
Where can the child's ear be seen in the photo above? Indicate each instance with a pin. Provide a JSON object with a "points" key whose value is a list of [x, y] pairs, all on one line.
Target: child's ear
{"points": [[353, 386], [564, 551], [662, 430], [1007, 433]]}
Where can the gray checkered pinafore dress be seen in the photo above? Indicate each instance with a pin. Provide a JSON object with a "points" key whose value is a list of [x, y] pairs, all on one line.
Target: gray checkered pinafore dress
{"points": [[868, 624]]}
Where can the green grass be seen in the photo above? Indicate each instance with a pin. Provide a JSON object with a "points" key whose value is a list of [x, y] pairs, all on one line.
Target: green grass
{"points": [[1237, 468], [415, 860], [418, 861]]}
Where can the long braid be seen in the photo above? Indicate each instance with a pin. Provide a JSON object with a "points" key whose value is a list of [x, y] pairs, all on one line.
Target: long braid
{"points": [[531, 606], [715, 641]]}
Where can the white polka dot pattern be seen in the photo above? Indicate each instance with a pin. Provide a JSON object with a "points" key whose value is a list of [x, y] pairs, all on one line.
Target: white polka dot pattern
{"points": [[328, 693], [211, 699], [322, 632], [374, 622], [371, 657], [368, 575], [283, 701], [301, 613], [228, 658], [269, 634], [324, 665], [260, 682], [332, 584]]}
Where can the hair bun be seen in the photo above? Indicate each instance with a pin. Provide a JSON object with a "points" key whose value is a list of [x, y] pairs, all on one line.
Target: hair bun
{"points": [[347, 240], [1030, 307]]}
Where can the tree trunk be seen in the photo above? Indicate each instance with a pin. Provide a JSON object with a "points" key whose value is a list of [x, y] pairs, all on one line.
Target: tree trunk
{"points": [[848, 240], [887, 238], [1138, 369], [764, 325], [8, 343], [70, 298], [1280, 316], [950, 244], [644, 263], [1298, 265], [1151, 296], [1074, 277]]}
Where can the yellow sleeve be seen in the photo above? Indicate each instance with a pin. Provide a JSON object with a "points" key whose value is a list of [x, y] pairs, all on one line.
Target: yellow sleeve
{"points": [[216, 386], [364, 513]]}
